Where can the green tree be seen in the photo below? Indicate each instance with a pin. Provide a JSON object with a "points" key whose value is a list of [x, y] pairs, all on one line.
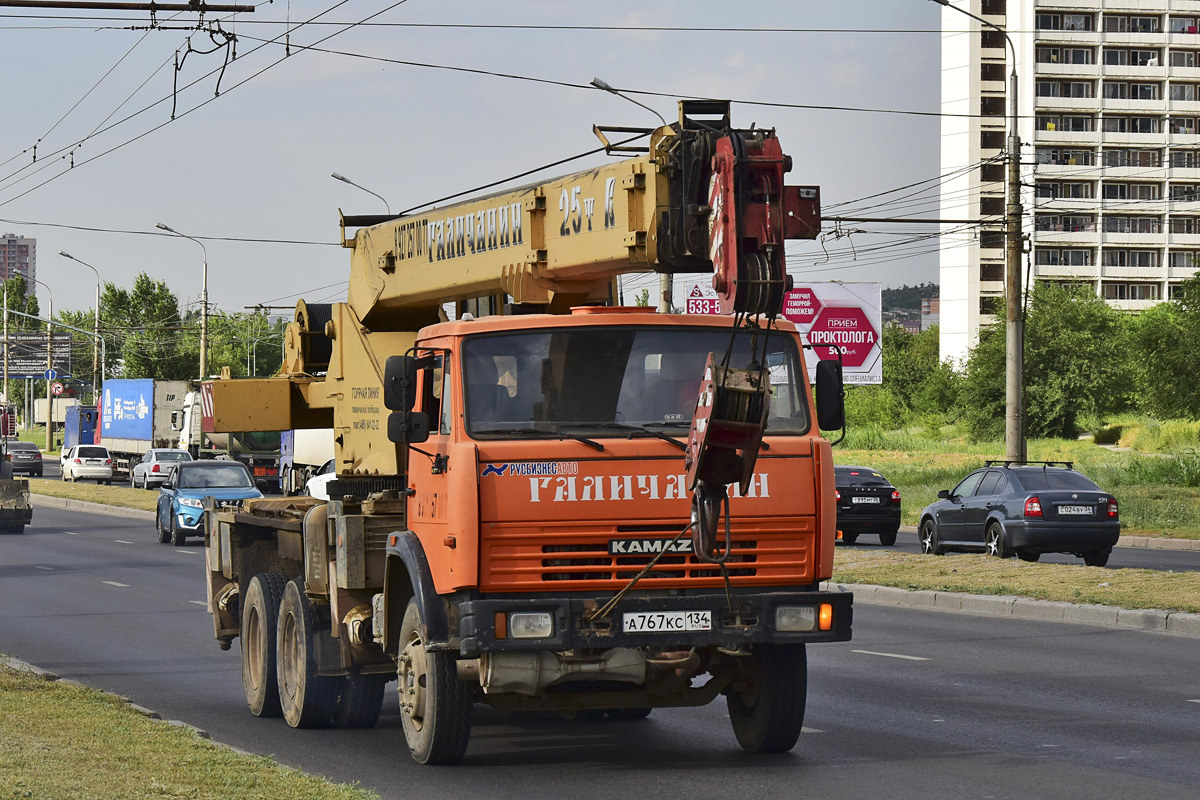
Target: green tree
{"points": [[144, 329], [1075, 366], [1166, 343]]}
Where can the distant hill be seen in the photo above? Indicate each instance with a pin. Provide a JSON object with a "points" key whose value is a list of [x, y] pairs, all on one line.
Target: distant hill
{"points": [[907, 298]]}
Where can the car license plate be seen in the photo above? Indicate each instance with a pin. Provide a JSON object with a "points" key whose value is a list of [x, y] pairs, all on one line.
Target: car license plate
{"points": [[864, 500], [668, 621], [1075, 510]]}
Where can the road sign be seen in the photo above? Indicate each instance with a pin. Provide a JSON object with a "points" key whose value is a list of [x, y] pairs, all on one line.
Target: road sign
{"points": [[27, 354], [702, 299], [56, 388], [50, 374]]}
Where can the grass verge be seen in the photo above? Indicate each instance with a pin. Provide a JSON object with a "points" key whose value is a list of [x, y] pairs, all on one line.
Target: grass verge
{"points": [[980, 574], [62, 740], [123, 496]]}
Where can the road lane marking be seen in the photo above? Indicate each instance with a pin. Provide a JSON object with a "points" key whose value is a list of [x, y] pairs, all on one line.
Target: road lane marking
{"points": [[199, 603], [121, 541], [71, 533], [1194, 701], [890, 655], [807, 729], [39, 566], [114, 583]]}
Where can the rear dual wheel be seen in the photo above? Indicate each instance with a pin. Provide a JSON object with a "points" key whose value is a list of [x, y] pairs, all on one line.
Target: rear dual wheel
{"points": [[260, 618], [306, 698]]}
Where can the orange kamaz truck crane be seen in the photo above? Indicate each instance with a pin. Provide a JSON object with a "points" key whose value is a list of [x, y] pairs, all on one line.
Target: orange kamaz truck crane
{"points": [[551, 502]]}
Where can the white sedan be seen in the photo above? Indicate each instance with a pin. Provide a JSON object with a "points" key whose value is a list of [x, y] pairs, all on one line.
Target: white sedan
{"points": [[318, 485]]}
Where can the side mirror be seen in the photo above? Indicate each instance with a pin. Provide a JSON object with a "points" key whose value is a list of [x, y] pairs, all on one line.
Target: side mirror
{"points": [[408, 427], [400, 381], [831, 396], [944, 494]]}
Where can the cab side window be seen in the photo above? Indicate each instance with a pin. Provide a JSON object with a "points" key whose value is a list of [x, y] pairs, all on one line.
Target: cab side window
{"points": [[435, 385], [968, 485]]}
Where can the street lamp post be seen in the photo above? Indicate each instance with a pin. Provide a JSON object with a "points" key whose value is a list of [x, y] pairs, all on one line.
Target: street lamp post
{"points": [[344, 179], [1014, 348], [97, 369], [203, 300], [49, 363]]}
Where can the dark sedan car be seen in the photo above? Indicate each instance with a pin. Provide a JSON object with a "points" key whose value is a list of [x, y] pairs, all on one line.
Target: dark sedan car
{"points": [[866, 503], [25, 457], [1025, 510]]}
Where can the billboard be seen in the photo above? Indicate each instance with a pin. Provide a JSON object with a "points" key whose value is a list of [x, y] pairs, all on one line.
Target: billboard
{"points": [[843, 317], [125, 412], [27, 354]]}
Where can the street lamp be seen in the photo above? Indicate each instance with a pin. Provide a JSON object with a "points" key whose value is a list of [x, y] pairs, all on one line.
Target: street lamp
{"points": [[1014, 348], [203, 300], [344, 179], [49, 361], [97, 369]]}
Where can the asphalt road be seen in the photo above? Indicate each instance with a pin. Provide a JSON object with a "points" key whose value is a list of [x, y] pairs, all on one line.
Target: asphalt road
{"points": [[921, 704], [1121, 558]]}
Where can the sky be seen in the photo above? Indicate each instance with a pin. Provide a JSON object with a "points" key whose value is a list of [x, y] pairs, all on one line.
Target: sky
{"points": [[249, 157]]}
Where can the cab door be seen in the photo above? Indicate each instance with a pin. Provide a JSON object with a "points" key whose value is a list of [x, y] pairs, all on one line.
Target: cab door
{"points": [[980, 505], [952, 519]]}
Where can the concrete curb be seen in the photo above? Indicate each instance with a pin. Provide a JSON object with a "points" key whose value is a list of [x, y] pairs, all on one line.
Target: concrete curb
{"points": [[94, 508], [1146, 619], [1150, 542]]}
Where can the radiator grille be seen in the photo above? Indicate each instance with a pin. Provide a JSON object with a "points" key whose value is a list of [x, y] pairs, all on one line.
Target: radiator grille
{"points": [[554, 558]]}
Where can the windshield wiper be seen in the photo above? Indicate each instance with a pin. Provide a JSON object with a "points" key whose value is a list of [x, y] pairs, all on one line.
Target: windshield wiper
{"points": [[635, 431], [535, 433]]}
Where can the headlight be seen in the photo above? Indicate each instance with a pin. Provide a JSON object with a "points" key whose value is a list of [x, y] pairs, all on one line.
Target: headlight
{"points": [[531, 626], [791, 619], [191, 502]]}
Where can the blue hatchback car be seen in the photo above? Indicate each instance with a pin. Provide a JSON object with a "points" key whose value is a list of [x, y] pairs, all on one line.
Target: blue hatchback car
{"points": [[1024, 509], [181, 499]]}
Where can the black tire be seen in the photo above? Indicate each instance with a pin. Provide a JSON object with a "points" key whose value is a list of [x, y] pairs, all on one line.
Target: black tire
{"points": [[888, 539], [39, 473], [163, 536], [628, 714], [305, 698], [849, 538], [769, 716], [260, 619], [1098, 557], [435, 707], [931, 543], [995, 541], [359, 700], [1028, 555], [177, 538]]}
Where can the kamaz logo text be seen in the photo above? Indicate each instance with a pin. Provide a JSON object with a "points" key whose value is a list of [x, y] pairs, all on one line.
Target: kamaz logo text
{"points": [[637, 547]]}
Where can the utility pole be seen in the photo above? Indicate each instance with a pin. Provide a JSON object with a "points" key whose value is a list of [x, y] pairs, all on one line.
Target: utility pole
{"points": [[1014, 345]]}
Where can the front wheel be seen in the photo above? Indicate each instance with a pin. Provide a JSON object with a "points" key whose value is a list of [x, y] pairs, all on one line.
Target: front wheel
{"points": [[995, 541], [930, 543], [435, 707], [177, 536], [768, 712], [306, 698], [1098, 557]]}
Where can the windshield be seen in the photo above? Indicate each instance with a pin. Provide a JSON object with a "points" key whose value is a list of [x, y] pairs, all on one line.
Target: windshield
{"points": [[231, 476], [611, 381]]}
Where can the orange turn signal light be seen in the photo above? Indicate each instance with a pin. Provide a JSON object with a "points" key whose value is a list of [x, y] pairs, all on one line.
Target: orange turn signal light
{"points": [[825, 617]]}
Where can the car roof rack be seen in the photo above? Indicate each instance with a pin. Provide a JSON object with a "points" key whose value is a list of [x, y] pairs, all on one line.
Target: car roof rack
{"points": [[1020, 463]]}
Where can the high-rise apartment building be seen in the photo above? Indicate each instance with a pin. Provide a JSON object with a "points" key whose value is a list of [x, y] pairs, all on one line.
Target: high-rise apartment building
{"points": [[18, 254], [1109, 120]]}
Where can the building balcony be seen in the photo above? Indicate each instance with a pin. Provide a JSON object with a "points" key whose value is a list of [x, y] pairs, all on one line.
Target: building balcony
{"points": [[1054, 70], [1140, 240], [1044, 37], [1183, 272], [1140, 173], [1188, 239], [1186, 73], [1134, 273], [1067, 205], [1132, 305], [1086, 238], [1090, 272], [1067, 137], [1185, 139], [1136, 139], [1184, 207], [1133, 72], [1135, 38], [1090, 104], [1184, 173], [1182, 107]]}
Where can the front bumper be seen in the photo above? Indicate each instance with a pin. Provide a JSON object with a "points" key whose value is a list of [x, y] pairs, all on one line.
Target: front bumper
{"points": [[477, 629], [1053, 537], [190, 519]]}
